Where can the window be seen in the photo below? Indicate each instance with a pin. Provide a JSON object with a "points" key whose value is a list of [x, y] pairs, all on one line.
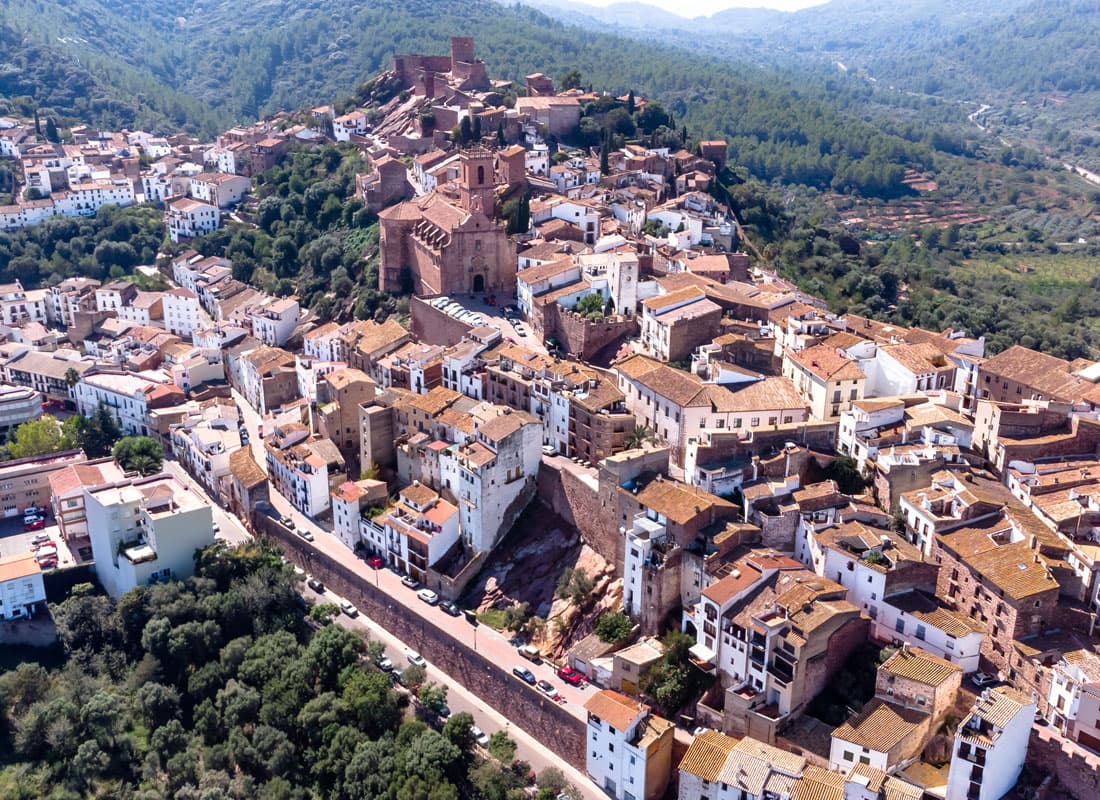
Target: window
{"points": [[899, 626], [836, 396], [921, 700], [921, 631], [854, 395], [849, 755]]}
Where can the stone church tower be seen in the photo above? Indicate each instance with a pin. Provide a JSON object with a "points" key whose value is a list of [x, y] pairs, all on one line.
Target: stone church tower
{"points": [[476, 181]]}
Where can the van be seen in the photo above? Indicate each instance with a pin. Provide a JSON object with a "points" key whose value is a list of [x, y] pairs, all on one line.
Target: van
{"points": [[531, 653]]}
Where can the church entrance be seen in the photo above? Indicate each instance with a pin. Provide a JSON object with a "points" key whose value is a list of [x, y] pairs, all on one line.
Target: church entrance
{"points": [[479, 283]]}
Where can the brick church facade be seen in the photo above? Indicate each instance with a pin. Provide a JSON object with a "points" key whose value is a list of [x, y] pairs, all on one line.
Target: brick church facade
{"points": [[449, 240]]}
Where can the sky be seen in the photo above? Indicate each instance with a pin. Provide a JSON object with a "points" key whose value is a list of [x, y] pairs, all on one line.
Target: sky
{"points": [[700, 8]]}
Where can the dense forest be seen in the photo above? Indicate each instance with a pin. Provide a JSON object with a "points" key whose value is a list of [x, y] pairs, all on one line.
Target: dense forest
{"points": [[216, 688], [1031, 61], [242, 66]]}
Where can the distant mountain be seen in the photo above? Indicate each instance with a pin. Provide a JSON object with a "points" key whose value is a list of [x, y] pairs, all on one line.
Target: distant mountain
{"points": [[207, 62]]}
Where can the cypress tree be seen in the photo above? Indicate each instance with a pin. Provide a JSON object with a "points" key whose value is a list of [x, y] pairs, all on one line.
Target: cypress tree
{"points": [[500, 135]]}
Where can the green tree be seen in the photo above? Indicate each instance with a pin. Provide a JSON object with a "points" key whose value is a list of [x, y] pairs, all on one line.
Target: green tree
{"points": [[639, 437], [501, 747], [324, 613], [51, 131], [591, 305], [459, 731], [575, 585], [138, 454], [613, 626], [100, 433], [432, 696], [517, 616], [39, 437], [570, 80]]}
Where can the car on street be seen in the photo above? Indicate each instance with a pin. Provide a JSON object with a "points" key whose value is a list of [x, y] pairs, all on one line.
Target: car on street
{"points": [[316, 585], [348, 608], [444, 712], [215, 527], [375, 562], [548, 689], [40, 538], [47, 562], [34, 524], [982, 678], [410, 581], [531, 653], [439, 302], [450, 609], [385, 664], [307, 535], [549, 450], [416, 659], [428, 596], [519, 329], [570, 676], [524, 674], [480, 736]]}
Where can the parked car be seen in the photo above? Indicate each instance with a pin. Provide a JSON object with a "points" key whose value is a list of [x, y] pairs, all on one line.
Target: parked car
{"points": [[451, 609], [375, 562], [40, 538], [548, 689], [480, 736], [531, 653], [983, 678], [519, 329], [349, 609], [471, 616], [570, 676], [316, 585], [307, 535], [549, 450], [524, 674], [34, 524], [410, 581], [444, 712], [416, 659], [428, 596], [385, 664], [48, 562]]}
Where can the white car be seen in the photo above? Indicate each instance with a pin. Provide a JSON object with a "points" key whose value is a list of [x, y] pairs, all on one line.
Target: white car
{"points": [[416, 659], [349, 609], [439, 302], [983, 678], [480, 736], [428, 596], [549, 450], [519, 329]]}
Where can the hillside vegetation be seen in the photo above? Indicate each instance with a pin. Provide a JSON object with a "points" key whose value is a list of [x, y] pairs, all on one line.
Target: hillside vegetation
{"points": [[238, 66]]}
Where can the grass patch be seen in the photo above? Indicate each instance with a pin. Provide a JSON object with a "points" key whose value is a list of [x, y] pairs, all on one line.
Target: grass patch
{"points": [[494, 618], [1041, 273]]}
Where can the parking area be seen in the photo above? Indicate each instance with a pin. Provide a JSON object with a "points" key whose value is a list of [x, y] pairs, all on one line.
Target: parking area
{"points": [[15, 541], [493, 316]]}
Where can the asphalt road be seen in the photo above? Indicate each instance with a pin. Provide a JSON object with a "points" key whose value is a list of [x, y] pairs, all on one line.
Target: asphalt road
{"points": [[486, 717], [482, 638]]}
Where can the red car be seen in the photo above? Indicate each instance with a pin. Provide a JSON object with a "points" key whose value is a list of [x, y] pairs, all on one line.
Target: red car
{"points": [[47, 563], [375, 562], [35, 525], [570, 676]]}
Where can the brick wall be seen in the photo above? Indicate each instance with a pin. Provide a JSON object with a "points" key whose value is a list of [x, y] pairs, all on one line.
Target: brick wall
{"points": [[540, 717], [1076, 769], [581, 506], [582, 337], [432, 326]]}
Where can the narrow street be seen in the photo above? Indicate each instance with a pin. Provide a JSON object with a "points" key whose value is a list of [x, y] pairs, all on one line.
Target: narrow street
{"points": [[459, 699]]}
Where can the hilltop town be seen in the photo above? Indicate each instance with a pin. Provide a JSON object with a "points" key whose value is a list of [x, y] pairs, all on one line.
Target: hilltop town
{"points": [[719, 540]]}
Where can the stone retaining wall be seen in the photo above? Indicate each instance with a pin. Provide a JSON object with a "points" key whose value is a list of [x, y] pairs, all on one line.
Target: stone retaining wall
{"points": [[540, 717]]}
